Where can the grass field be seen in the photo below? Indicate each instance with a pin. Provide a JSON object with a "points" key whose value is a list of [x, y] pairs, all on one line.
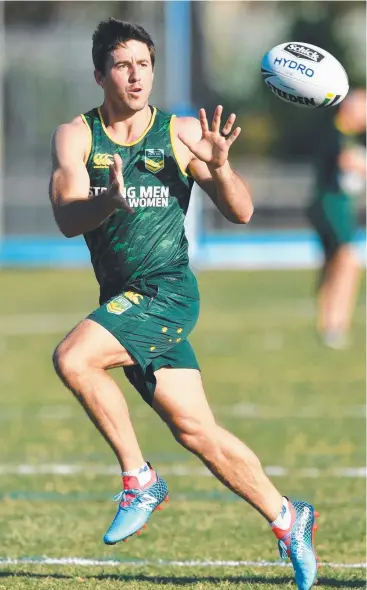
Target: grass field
{"points": [[299, 406]]}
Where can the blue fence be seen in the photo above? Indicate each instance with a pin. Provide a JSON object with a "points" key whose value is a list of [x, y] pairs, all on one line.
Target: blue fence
{"points": [[272, 249]]}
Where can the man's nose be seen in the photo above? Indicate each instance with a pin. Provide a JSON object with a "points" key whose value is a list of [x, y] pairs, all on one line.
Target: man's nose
{"points": [[135, 73]]}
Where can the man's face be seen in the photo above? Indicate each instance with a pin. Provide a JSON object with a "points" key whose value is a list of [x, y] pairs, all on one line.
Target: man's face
{"points": [[128, 76], [355, 110]]}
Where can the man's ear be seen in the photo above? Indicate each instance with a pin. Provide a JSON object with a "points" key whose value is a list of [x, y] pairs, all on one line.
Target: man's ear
{"points": [[99, 78]]}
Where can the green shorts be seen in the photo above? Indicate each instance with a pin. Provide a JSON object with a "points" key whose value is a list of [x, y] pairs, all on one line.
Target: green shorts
{"points": [[152, 321], [334, 217]]}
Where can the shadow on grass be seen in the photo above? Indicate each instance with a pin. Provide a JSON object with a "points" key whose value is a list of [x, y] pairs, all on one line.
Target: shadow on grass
{"points": [[186, 580]]}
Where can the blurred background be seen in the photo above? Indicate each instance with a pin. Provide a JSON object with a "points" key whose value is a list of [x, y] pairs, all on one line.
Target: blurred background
{"points": [[208, 53]]}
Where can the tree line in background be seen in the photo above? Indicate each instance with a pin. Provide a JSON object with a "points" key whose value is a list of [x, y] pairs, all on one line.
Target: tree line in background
{"points": [[271, 126]]}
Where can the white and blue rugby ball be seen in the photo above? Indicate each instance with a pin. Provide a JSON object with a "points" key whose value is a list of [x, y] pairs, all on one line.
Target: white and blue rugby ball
{"points": [[304, 75]]}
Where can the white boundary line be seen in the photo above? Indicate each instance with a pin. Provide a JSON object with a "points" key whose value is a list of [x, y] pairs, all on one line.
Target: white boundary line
{"points": [[247, 410], [235, 411], [38, 323], [159, 562], [177, 470]]}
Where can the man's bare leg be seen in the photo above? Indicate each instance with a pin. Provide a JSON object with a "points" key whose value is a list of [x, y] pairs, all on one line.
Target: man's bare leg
{"points": [[81, 360], [337, 292], [181, 402]]}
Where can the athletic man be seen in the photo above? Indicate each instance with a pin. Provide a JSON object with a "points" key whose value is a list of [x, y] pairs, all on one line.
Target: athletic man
{"points": [[340, 181], [122, 176]]}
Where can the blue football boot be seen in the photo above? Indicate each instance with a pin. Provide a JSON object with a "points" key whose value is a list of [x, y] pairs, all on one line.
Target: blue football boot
{"points": [[136, 505], [297, 543]]}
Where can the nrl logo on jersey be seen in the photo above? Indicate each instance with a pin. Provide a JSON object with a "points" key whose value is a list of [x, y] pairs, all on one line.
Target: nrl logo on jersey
{"points": [[154, 160], [102, 160]]}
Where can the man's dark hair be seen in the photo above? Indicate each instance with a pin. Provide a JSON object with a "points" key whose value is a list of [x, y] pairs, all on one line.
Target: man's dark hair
{"points": [[112, 33]]}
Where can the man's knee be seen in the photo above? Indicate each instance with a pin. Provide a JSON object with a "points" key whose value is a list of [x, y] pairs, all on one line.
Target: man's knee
{"points": [[67, 363], [194, 435]]}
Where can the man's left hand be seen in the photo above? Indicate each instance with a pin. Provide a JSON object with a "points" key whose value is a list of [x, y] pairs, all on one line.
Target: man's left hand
{"points": [[213, 147]]}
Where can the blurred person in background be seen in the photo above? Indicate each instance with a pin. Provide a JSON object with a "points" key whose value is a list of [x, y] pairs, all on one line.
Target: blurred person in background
{"points": [[340, 180], [122, 176]]}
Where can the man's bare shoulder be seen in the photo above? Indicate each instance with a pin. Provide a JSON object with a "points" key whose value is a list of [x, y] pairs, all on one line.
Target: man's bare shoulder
{"points": [[188, 128], [72, 138], [76, 129]]}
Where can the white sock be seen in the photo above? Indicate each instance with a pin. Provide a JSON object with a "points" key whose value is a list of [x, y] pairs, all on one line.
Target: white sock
{"points": [[283, 521], [142, 474]]}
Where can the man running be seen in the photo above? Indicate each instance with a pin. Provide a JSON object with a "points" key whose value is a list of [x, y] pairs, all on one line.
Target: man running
{"points": [[122, 176], [340, 165]]}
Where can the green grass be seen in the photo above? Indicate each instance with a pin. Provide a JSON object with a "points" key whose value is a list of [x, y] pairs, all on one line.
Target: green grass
{"points": [[269, 381]]}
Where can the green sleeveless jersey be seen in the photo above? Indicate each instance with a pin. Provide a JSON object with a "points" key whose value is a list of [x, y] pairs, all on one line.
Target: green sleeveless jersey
{"points": [[125, 248]]}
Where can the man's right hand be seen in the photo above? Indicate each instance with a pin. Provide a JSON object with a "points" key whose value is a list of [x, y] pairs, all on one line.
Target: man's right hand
{"points": [[116, 189]]}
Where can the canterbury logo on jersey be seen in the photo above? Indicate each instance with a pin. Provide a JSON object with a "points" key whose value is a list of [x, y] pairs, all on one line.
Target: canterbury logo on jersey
{"points": [[102, 160], [134, 297], [154, 160]]}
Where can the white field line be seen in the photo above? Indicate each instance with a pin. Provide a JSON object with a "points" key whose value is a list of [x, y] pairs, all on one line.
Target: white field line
{"points": [[160, 563], [175, 470], [235, 411], [39, 323], [43, 413], [242, 410]]}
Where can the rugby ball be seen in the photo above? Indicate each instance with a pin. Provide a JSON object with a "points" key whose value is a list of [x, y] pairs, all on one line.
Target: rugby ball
{"points": [[304, 75]]}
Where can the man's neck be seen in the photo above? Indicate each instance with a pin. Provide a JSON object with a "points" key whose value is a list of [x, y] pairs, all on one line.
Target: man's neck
{"points": [[125, 127]]}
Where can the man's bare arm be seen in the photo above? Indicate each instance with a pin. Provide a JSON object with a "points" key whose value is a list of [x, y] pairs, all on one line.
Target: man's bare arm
{"points": [[75, 211], [227, 189], [229, 192], [353, 160]]}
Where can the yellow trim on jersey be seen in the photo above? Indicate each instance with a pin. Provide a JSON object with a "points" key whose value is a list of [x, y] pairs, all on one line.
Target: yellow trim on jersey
{"points": [[90, 138], [171, 134], [137, 140]]}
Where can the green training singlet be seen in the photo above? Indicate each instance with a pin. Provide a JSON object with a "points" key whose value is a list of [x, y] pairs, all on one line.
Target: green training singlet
{"points": [[329, 176], [127, 248]]}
